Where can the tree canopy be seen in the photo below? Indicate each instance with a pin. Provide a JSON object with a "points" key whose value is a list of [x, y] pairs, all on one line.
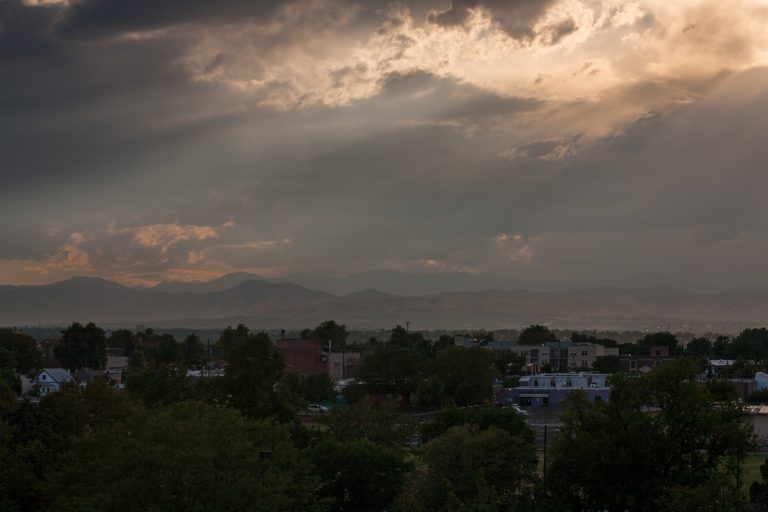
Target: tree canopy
{"points": [[82, 346], [536, 335], [660, 432], [188, 457]]}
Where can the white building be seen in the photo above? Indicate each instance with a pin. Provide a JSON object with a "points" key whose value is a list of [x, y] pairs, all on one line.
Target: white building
{"points": [[50, 380]]}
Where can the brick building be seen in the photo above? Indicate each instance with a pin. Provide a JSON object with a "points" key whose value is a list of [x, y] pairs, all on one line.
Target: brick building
{"points": [[304, 356]]}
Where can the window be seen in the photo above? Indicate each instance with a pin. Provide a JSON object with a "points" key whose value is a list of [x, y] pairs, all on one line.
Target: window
{"points": [[584, 363], [584, 353]]}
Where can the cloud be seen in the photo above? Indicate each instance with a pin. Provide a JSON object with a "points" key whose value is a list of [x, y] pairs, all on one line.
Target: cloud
{"points": [[547, 150], [341, 136], [516, 17]]}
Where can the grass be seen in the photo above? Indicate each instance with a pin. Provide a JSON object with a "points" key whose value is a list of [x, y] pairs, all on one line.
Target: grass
{"points": [[751, 471]]}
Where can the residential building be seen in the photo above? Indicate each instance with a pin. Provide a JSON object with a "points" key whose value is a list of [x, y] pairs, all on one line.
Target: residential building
{"points": [[561, 356], [50, 380], [645, 363], [584, 355], [552, 388], [761, 381], [116, 366]]}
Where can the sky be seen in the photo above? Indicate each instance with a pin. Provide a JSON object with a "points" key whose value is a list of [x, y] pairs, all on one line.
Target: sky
{"points": [[545, 141]]}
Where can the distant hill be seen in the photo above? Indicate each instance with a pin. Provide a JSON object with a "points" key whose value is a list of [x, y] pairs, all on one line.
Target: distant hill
{"points": [[401, 283], [220, 284], [263, 304]]}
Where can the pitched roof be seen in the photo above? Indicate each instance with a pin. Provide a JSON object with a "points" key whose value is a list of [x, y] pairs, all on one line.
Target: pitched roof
{"points": [[58, 374]]}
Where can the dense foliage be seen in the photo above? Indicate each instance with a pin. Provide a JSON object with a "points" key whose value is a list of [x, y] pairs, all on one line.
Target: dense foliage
{"points": [[173, 442]]}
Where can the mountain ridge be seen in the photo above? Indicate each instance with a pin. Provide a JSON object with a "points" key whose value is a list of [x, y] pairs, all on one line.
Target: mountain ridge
{"points": [[267, 304]]}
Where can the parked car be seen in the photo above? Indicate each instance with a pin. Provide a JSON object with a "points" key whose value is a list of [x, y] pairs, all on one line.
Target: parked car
{"points": [[519, 410], [317, 409]]}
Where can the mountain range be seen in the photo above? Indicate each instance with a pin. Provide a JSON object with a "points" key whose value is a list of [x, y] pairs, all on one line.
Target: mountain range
{"points": [[260, 303]]}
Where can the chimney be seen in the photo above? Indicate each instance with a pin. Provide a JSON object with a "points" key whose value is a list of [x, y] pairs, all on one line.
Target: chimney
{"points": [[282, 334]]}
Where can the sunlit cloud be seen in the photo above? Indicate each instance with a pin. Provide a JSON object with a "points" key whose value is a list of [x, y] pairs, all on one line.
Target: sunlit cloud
{"points": [[336, 136]]}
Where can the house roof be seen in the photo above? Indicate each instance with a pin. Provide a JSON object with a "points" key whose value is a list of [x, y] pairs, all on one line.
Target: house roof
{"points": [[58, 374]]}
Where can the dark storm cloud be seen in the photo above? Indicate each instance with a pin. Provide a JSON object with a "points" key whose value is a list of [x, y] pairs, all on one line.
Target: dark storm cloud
{"points": [[27, 32], [99, 16], [107, 131], [516, 17]]}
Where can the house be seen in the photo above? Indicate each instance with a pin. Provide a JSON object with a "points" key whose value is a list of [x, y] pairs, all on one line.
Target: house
{"points": [[50, 380], [116, 366], [761, 381], [553, 388]]}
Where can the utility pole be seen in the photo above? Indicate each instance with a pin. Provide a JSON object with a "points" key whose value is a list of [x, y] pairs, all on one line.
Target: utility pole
{"points": [[545, 451], [407, 327]]}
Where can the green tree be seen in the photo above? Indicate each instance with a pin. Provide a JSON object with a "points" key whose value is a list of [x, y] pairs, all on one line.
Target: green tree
{"points": [[359, 475], [443, 342], [721, 348], [229, 338], [318, 388], [467, 373], [384, 425], [476, 470], [536, 335], [480, 418], [124, 339], [160, 386], [327, 331], [692, 439], [193, 351], [9, 377], [189, 457], [26, 450], [507, 362], [19, 351], [660, 339], [82, 346], [430, 392], [391, 369], [255, 367], [74, 409], [750, 344], [758, 491], [7, 398], [699, 347]]}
